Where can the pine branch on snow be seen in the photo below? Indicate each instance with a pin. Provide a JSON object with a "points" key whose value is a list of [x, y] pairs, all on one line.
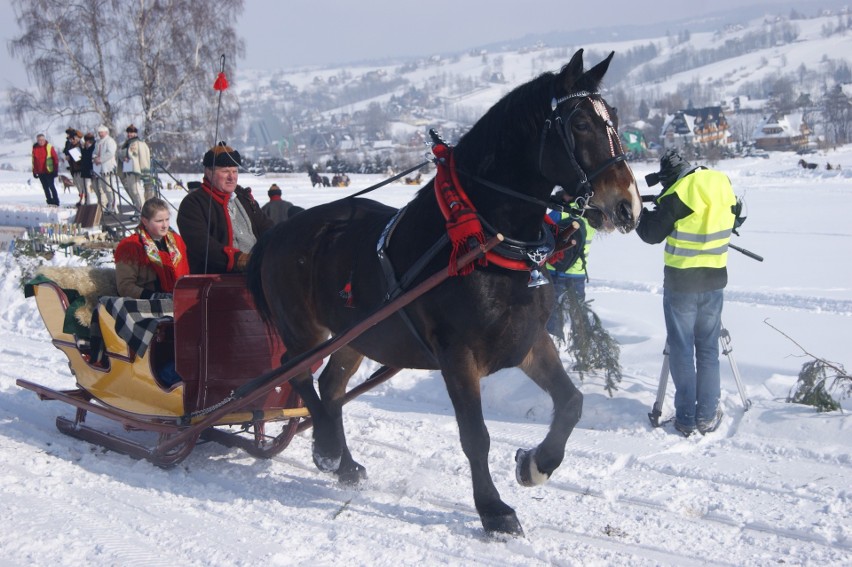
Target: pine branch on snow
{"points": [[590, 344], [817, 379]]}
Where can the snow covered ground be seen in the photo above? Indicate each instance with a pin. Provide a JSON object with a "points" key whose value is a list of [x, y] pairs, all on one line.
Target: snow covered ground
{"points": [[771, 486]]}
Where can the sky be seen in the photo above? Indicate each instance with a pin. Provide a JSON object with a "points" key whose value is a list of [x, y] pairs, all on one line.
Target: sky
{"points": [[317, 32]]}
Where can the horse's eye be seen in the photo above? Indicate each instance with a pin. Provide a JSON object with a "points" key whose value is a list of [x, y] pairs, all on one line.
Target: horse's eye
{"points": [[582, 126]]}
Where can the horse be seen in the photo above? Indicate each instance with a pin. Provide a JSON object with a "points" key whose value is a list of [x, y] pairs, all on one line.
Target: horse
{"points": [[317, 179], [807, 164], [319, 273]]}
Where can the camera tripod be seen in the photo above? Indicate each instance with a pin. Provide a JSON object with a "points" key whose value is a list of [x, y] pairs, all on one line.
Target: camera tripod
{"points": [[727, 350]]}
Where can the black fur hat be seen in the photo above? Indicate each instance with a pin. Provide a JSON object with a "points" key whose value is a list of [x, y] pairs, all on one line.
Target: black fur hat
{"points": [[222, 155]]}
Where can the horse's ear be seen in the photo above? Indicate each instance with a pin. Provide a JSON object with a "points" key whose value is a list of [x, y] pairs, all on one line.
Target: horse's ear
{"points": [[594, 75], [572, 71]]}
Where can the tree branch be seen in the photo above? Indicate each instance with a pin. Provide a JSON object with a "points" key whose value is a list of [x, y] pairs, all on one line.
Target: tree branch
{"points": [[833, 365]]}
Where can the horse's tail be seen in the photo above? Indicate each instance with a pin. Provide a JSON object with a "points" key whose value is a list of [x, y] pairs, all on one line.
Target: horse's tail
{"points": [[254, 280]]}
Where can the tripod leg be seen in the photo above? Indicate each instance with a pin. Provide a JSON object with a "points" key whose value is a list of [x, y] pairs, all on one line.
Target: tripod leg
{"points": [[657, 409], [727, 350]]}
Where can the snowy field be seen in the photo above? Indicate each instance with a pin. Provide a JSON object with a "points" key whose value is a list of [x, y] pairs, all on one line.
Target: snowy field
{"points": [[772, 486]]}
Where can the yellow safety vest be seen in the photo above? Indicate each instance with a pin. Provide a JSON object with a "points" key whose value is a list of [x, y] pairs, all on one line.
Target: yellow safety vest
{"points": [[48, 159], [578, 267], [700, 240]]}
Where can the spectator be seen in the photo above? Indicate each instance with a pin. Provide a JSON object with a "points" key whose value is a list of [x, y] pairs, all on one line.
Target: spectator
{"points": [[150, 260], [570, 273], [220, 221], [45, 163], [694, 214], [135, 163], [277, 208], [86, 163], [104, 166], [73, 152]]}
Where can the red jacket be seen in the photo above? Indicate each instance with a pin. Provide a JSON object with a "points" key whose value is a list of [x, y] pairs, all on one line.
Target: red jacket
{"points": [[45, 159]]}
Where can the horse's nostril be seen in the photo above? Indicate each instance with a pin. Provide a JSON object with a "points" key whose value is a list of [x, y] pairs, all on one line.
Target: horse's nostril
{"points": [[625, 211]]}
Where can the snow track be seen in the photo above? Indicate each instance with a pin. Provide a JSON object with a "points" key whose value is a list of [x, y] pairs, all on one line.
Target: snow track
{"points": [[785, 301], [771, 486]]}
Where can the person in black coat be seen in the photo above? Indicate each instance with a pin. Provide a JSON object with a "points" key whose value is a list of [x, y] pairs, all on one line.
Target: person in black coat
{"points": [[277, 208], [220, 221]]}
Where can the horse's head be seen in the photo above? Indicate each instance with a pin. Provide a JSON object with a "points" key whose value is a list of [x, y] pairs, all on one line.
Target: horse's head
{"points": [[580, 149]]}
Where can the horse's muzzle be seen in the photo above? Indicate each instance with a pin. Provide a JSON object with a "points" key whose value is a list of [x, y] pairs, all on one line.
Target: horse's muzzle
{"points": [[620, 212]]}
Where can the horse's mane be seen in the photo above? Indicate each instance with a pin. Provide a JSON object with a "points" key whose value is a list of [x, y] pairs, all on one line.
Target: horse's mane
{"points": [[517, 116]]}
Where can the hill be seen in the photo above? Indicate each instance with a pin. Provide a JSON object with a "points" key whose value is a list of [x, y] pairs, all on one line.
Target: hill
{"points": [[373, 115]]}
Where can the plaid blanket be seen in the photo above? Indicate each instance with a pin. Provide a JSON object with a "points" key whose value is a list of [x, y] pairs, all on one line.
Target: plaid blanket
{"points": [[136, 320]]}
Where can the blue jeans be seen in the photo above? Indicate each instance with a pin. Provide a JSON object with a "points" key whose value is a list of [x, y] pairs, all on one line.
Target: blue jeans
{"points": [[693, 326]]}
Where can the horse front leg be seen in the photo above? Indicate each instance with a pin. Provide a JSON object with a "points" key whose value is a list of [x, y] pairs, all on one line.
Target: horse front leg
{"points": [[542, 364], [462, 382]]}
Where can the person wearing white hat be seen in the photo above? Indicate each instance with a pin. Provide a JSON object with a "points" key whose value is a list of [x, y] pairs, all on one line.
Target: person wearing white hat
{"points": [[104, 166]]}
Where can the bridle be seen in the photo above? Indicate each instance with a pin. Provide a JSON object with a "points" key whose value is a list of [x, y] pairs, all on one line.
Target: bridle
{"points": [[583, 191]]}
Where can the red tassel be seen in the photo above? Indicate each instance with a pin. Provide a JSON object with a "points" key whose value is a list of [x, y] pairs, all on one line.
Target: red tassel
{"points": [[221, 82], [346, 293]]}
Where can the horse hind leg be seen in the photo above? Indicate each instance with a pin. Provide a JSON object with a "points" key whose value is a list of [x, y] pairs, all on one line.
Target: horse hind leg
{"points": [[542, 364], [330, 450], [462, 381]]}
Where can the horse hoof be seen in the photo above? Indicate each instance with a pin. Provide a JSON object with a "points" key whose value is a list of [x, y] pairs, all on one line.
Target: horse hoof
{"points": [[352, 476], [526, 469], [326, 463], [502, 524]]}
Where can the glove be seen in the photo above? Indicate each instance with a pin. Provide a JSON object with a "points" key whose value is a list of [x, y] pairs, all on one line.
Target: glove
{"points": [[35, 175], [242, 262]]}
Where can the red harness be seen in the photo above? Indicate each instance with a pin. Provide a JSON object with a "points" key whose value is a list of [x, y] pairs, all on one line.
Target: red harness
{"points": [[462, 219]]}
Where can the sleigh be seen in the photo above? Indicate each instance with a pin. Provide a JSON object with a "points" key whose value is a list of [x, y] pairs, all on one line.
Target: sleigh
{"points": [[215, 341], [233, 389]]}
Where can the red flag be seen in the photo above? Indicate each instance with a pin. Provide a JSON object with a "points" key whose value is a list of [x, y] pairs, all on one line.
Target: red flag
{"points": [[221, 82]]}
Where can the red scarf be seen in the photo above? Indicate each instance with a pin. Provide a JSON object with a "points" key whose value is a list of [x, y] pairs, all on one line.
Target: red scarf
{"points": [[169, 264]]}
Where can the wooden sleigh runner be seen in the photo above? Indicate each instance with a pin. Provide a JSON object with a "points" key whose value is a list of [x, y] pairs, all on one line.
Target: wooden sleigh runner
{"points": [[226, 383]]}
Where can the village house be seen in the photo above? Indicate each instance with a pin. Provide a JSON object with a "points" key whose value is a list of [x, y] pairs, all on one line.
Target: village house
{"points": [[782, 132], [696, 126]]}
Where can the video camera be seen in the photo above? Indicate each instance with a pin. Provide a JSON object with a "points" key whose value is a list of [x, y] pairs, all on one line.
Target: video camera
{"points": [[652, 179]]}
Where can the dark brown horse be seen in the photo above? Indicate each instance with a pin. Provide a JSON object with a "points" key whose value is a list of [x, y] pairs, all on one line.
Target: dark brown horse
{"points": [[320, 273]]}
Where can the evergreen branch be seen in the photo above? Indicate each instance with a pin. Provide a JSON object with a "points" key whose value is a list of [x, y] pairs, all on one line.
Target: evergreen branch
{"points": [[837, 367]]}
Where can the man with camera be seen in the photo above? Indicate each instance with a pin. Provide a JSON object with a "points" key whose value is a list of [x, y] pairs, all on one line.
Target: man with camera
{"points": [[695, 215]]}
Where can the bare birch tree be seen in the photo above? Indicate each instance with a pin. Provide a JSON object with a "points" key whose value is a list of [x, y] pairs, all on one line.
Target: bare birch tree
{"points": [[151, 62]]}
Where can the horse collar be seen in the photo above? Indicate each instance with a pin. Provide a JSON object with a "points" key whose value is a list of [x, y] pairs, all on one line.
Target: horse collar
{"points": [[464, 223]]}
